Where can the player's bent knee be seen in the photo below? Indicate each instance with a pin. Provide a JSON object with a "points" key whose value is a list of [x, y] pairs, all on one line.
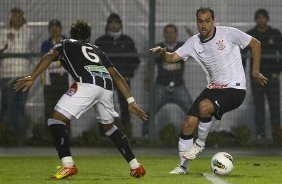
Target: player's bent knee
{"points": [[60, 117], [205, 108], [51, 122], [107, 127]]}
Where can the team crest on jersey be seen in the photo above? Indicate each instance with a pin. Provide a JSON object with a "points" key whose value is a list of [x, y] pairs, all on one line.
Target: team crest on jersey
{"points": [[72, 90], [220, 45]]}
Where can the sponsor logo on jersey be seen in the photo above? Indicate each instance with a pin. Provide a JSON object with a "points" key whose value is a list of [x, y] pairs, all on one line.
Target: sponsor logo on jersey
{"points": [[217, 86], [220, 45], [97, 71], [94, 68], [72, 90]]}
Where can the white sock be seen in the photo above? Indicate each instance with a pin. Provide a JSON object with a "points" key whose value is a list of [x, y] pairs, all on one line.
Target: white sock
{"points": [[111, 131], [203, 131], [183, 146], [67, 161], [134, 164]]}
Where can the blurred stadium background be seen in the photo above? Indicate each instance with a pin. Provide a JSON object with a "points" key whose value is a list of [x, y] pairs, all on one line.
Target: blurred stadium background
{"points": [[143, 21]]}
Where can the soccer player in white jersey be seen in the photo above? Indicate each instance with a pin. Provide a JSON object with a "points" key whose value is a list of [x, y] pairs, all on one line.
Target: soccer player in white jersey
{"points": [[94, 75], [217, 50]]}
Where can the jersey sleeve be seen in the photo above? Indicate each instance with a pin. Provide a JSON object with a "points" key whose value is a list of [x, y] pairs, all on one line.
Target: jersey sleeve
{"points": [[186, 49], [239, 37], [58, 47], [106, 61]]}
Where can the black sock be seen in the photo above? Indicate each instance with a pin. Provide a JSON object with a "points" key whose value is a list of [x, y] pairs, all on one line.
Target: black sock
{"points": [[185, 137], [61, 139], [205, 120], [119, 139]]}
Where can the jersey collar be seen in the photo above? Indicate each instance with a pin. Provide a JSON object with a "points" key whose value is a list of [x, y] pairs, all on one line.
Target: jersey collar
{"points": [[206, 40]]}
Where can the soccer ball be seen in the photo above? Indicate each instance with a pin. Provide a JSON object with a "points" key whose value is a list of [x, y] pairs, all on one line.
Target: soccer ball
{"points": [[222, 163]]}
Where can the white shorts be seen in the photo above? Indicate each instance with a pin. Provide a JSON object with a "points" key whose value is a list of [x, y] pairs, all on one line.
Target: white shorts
{"points": [[82, 96]]}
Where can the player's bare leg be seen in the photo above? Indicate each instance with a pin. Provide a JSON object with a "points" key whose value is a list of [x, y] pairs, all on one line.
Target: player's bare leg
{"points": [[206, 109], [119, 139], [57, 124]]}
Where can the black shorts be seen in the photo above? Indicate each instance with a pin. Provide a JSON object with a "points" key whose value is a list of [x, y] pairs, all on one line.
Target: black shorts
{"points": [[223, 100]]}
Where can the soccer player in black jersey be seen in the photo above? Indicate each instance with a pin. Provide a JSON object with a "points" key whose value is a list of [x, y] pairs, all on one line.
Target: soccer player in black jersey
{"points": [[93, 74]]}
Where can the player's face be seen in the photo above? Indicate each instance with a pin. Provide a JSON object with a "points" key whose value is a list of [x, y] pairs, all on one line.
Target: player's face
{"points": [[55, 31], [114, 26], [261, 21], [17, 19], [205, 24], [170, 35]]}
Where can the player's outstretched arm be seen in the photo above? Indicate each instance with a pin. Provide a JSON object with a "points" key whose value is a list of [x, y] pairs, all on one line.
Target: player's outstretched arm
{"points": [[26, 82], [125, 90], [256, 53], [166, 56]]}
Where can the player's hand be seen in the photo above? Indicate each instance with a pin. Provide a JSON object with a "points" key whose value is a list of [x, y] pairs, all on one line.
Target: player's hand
{"points": [[23, 84], [158, 50], [135, 109], [262, 80]]}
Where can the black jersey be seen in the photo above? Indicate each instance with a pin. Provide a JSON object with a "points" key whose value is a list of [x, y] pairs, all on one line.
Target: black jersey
{"points": [[271, 43], [86, 63], [170, 72]]}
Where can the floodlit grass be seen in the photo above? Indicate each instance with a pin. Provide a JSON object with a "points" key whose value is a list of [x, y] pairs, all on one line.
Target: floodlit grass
{"points": [[114, 170]]}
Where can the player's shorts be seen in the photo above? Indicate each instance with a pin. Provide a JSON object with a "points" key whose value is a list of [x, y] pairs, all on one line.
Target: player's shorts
{"points": [[223, 100], [82, 96]]}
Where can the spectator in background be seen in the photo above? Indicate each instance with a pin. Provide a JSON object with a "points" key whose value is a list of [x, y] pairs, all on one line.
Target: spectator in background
{"points": [[116, 42], [271, 42], [17, 39], [55, 78], [169, 87]]}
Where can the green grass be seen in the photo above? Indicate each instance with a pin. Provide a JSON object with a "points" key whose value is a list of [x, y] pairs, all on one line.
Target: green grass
{"points": [[114, 170]]}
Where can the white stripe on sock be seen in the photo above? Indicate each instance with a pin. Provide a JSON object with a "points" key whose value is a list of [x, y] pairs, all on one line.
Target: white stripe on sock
{"points": [[109, 133]]}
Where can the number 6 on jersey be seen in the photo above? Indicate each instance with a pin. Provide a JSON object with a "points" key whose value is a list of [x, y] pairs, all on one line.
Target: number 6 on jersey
{"points": [[90, 55]]}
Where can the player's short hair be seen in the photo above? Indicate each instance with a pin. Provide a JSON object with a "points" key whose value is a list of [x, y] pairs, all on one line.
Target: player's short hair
{"points": [[262, 12], [204, 10], [170, 26], [80, 30]]}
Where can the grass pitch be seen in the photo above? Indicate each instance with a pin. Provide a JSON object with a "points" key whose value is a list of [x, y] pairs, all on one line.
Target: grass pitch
{"points": [[114, 170]]}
